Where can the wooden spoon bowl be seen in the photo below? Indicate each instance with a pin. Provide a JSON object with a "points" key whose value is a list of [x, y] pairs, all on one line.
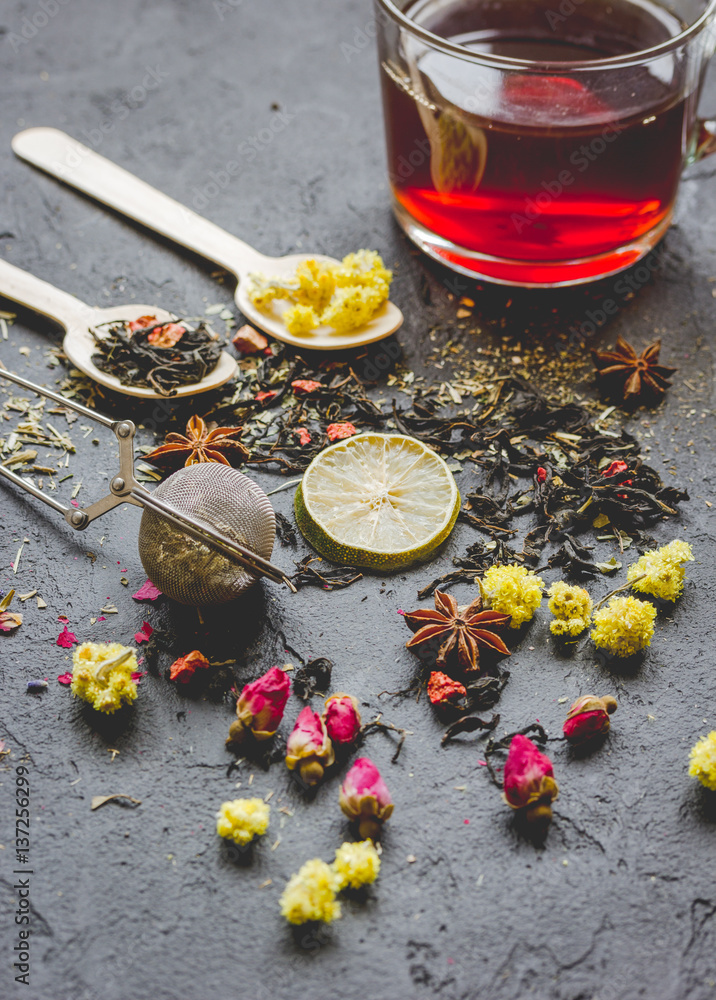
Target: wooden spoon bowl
{"points": [[78, 318]]}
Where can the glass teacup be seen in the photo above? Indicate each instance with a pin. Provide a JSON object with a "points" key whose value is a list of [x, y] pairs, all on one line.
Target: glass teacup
{"points": [[541, 142]]}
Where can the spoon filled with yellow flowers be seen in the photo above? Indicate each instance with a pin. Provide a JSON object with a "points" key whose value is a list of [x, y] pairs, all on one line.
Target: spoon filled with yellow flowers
{"points": [[310, 301]]}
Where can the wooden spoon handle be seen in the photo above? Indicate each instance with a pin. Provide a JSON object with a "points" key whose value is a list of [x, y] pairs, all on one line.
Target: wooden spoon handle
{"points": [[42, 297], [77, 165]]}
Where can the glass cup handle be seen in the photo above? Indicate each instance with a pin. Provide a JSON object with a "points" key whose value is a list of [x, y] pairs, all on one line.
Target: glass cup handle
{"points": [[705, 139]]}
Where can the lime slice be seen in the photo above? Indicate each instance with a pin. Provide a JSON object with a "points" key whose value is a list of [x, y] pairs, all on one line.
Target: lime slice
{"points": [[378, 500]]}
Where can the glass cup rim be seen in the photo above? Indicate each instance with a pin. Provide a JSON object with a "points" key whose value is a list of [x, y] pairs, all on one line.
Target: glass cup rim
{"points": [[508, 62]]}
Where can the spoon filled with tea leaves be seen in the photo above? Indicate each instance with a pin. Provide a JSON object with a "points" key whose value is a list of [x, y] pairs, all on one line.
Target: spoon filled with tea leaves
{"points": [[136, 350], [58, 154]]}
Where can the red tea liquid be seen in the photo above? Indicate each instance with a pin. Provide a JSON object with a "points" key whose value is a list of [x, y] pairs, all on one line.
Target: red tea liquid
{"points": [[537, 168]]}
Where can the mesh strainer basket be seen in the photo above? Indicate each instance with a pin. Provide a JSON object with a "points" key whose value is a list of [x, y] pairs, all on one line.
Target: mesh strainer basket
{"points": [[190, 571]]}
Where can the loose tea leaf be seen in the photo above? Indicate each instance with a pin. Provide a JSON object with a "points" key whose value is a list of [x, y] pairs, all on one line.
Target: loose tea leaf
{"points": [[329, 577], [377, 725], [313, 678], [575, 558], [101, 800], [159, 356], [469, 724], [285, 530], [485, 692]]}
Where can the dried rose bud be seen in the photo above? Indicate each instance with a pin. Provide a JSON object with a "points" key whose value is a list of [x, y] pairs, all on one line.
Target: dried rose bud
{"points": [[588, 717], [529, 780], [309, 749], [443, 690], [342, 717], [365, 798], [260, 706]]}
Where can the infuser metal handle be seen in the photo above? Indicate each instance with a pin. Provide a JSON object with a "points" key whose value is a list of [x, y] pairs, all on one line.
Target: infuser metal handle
{"points": [[29, 488], [56, 397], [126, 489], [121, 485]]}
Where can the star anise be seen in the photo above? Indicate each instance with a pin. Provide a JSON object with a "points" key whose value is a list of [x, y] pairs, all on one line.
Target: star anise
{"points": [[463, 630], [200, 445], [635, 375]]}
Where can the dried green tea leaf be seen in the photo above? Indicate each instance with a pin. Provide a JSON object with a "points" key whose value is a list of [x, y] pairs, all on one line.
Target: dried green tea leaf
{"points": [[101, 800], [7, 600], [611, 566], [469, 725], [20, 457]]}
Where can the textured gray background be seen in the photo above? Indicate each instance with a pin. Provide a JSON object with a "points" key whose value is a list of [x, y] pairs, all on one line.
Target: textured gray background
{"points": [[620, 903]]}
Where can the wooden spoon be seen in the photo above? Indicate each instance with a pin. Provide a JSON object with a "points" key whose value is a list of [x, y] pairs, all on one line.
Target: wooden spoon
{"points": [[77, 165], [77, 318]]}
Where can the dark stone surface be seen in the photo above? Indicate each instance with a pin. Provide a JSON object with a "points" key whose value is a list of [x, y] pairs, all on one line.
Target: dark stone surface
{"points": [[137, 903]]}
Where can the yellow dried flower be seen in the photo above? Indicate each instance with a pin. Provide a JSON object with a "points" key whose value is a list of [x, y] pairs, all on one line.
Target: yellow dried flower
{"points": [[351, 307], [264, 292], [571, 607], [316, 283], [311, 894], [356, 864], [343, 296], [364, 268], [624, 626], [664, 570], [242, 820], [105, 687], [513, 590], [300, 319], [703, 761]]}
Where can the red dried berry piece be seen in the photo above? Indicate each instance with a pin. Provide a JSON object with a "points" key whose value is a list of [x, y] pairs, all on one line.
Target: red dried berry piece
{"points": [[444, 690]]}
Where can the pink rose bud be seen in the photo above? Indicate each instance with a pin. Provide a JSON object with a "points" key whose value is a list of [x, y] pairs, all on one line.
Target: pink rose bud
{"points": [[342, 717], [309, 749], [365, 798], [260, 706], [529, 780], [588, 717]]}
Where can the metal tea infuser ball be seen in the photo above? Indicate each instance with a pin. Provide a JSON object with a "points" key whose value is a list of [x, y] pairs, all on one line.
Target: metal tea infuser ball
{"points": [[207, 531]]}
